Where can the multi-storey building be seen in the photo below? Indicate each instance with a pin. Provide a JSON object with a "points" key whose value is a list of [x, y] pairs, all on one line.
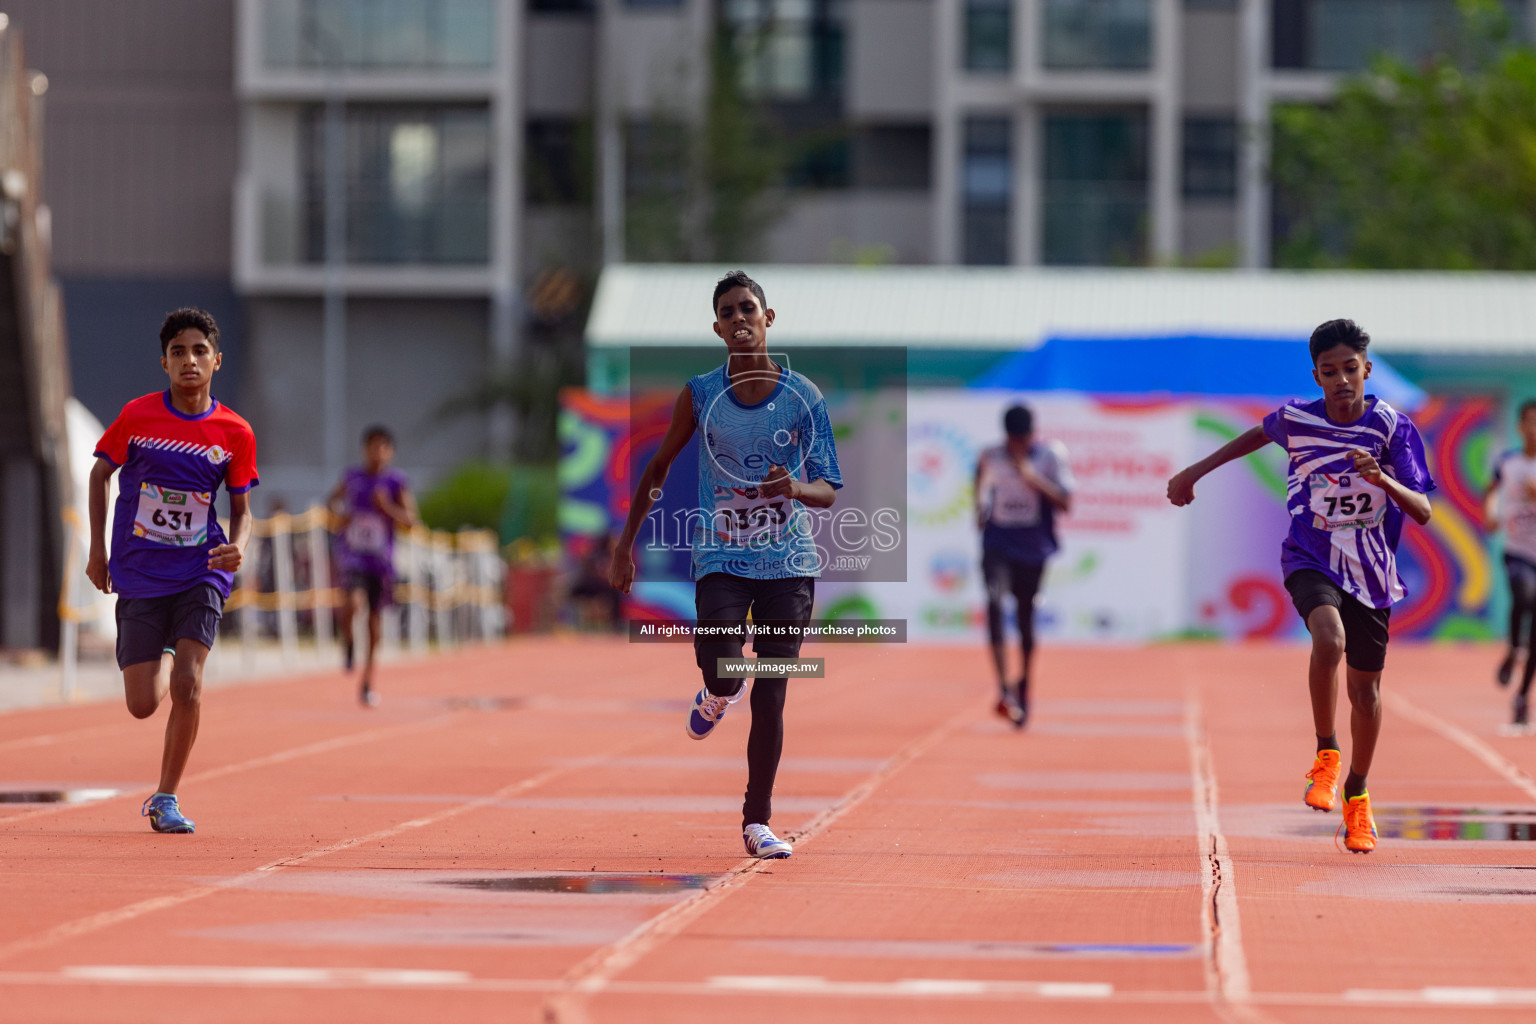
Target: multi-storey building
{"points": [[386, 185]]}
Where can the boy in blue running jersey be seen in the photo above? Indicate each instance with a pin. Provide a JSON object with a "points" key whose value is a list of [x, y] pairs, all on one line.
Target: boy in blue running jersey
{"points": [[1356, 466], [765, 453], [171, 565]]}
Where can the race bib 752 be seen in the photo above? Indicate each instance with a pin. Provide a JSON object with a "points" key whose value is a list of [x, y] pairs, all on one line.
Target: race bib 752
{"points": [[1345, 501]]}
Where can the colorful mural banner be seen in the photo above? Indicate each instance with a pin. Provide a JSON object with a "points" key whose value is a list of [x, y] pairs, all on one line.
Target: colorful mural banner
{"points": [[1131, 567]]}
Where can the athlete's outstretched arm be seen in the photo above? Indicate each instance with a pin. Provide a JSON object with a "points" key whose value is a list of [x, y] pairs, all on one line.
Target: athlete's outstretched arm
{"points": [[96, 504], [229, 556], [1410, 501], [401, 513], [1059, 499], [1181, 488], [621, 571], [1491, 505]]}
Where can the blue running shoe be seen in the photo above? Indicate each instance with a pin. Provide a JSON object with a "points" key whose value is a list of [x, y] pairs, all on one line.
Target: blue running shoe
{"points": [[165, 815], [707, 710], [764, 845]]}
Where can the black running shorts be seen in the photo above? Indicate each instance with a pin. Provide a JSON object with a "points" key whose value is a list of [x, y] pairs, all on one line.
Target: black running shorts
{"points": [[378, 587], [1365, 628], [146, 626]]}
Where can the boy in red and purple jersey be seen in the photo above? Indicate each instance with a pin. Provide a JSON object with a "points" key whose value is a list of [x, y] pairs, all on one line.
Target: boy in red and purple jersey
{"points": [[171, 565], [371, 500]]}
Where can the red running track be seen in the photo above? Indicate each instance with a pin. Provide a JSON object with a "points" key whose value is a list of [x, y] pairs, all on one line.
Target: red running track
{"points": [[524, 833]]}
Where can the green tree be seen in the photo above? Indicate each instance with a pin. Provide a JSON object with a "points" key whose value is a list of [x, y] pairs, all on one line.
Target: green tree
{"points": [[703, 190], [1427, 167]]}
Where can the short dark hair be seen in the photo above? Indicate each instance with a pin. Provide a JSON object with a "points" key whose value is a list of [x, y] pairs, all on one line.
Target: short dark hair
{"points": [[1526, 406], [1018, 421], [377, 432], [1337, 332], [188, 318], [737, 279]]}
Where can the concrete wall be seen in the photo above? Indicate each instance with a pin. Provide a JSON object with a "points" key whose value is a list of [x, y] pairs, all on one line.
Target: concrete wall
{"points": [[139, 134], [826, 227], [406, 358], [890, 60], [558, 65]]}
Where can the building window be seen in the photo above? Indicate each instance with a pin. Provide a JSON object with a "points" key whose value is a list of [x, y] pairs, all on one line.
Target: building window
{"points": [[1095, 189], [418, 184], [988, 35], [1114, 35], [987, 184], [788, 50], [558, 157], [892, 156], [819, 160], [561, 6], [1210, 158], [367, 34], [1346, 35]]}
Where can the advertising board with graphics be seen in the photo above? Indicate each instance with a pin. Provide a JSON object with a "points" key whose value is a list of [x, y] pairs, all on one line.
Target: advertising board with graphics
{"points": [[1131, 567], [1120, 574]]}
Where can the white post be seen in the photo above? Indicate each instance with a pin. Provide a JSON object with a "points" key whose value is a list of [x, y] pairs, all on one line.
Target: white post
{"points": [[250, 615], [442, 590], [282, 572], [320, 582], [1253, 124], [416, 607], [69, 637]]}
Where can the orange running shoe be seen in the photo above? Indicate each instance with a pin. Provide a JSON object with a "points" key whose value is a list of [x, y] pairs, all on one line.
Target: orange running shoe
{"points": [[1359, 824], [1323, 790]]}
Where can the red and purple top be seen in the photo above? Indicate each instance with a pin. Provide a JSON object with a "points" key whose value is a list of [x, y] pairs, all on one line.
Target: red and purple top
{"points": [[172, 464]]}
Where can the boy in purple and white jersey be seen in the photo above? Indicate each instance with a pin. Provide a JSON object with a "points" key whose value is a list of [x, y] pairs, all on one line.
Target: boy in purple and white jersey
{"points": [[1356, 466], [1510, 502], [371, 500]]}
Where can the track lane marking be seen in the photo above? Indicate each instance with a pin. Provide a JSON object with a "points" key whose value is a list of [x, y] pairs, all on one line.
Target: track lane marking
{"points": [[990, 990], [1507, 769], [279, 757], [596, 973], [105, 919], [1226, 966], [48, 739]]}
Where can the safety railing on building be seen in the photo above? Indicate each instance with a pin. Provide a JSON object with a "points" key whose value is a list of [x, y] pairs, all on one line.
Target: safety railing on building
{"points": [[449, 589]]}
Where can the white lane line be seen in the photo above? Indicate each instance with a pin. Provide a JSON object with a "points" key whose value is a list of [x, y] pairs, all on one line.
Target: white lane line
{"points": [[267, 977], [1445, 995], [48, 739], [597, 971], [1226, 965], [1511, 772], [266, 760], [106, 975], [96, 922], [800, 984]]}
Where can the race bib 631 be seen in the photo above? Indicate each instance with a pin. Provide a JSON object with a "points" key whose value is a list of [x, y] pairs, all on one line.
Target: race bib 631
{"points": [[178, 518]]}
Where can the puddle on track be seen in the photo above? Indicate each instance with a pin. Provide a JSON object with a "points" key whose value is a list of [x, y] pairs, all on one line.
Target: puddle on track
{"points": [[55, 796], [484, 703], [1448, 823], [588, 884]]}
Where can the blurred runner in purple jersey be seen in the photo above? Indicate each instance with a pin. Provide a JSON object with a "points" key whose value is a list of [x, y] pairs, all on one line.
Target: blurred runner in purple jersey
{"points": [[371, 500]]}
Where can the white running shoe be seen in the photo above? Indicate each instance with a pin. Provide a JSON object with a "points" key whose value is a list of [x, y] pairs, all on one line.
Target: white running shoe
{"points": [[764, 845], [708, 709]]}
